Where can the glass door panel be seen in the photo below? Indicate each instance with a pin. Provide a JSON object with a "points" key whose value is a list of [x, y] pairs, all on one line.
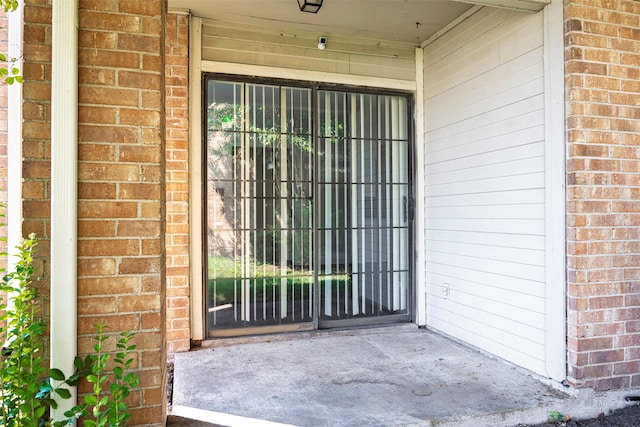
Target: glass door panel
{"points": [[259, 206], [363, 185]]}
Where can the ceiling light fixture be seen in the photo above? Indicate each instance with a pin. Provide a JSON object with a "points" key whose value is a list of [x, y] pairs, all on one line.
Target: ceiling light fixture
{"points": [[311, 6], [322, 43]]}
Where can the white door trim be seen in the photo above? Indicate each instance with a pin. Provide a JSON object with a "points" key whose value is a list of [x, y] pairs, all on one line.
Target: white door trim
{"points": [[195, 179], [306, 75]]}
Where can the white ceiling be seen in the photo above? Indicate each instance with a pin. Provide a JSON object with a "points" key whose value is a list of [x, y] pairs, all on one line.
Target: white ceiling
{"points": [[412, 21]]}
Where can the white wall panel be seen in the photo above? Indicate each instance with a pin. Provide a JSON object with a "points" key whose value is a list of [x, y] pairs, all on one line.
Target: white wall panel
{"points": [[268, 46], [485, 184]]}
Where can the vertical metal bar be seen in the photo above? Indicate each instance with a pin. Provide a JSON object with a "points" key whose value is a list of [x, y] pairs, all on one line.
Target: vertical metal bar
{"points": [[314, 116], [355, 250], [284, 214]]}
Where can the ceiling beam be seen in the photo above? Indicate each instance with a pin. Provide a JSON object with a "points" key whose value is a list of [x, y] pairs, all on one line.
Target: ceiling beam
{"points": [[521, 5]]}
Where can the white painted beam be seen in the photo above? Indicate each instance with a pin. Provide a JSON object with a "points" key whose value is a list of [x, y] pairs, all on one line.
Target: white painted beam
{"points": [[64, 192], [521, 5]]}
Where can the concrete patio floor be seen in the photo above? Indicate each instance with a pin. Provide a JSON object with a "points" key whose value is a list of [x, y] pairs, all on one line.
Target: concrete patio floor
{"points": [[390, 376]]}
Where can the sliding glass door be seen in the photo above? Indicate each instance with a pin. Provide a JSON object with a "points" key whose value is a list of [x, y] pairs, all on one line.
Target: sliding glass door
{"points": [[363, 222], [307, 208]]}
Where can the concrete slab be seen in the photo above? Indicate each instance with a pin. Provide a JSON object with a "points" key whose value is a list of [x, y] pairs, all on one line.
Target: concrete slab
{"points": [[391, 376]]}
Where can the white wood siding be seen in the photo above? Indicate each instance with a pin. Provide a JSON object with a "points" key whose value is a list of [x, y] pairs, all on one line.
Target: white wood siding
{"points": [[485, 184], [229, 42]]}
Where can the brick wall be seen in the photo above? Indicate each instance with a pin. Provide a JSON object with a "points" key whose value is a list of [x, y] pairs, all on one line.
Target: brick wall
{"points": [[177, 177], [3, 133], [602, 46], [121, 261]]}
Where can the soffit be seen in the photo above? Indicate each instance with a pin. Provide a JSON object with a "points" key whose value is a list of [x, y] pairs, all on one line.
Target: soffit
{"points": [[410, 21]]}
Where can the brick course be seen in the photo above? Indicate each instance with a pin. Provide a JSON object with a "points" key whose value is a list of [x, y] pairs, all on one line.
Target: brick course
{"points": [[602, 70]]}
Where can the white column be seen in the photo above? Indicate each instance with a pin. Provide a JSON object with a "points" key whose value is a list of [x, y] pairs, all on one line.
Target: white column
{"points": [[555, 255], [64, 193]]}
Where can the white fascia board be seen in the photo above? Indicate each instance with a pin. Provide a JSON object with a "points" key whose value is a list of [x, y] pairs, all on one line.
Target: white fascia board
{"points": [[521, 5]]}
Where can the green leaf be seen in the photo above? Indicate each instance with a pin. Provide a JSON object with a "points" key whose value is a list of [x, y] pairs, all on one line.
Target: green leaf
{"points": [[52, 403], [56, 374], [77, 363], [63, 393], [9, 80], [90, 399], [92, 378], [40, 412]]}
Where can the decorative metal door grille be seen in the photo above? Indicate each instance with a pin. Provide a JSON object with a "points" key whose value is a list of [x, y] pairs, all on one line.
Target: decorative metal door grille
{"points": [[299, 235]]}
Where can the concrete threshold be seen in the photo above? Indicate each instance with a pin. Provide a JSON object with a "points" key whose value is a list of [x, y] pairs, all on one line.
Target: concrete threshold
{"points": [[390, 376]]}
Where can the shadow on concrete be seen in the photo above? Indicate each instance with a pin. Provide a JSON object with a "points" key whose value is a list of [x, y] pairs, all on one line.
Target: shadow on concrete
{"points": [[390, 376]]}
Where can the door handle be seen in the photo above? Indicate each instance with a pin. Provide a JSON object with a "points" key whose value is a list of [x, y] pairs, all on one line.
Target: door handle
{"points": [[406, 208]]}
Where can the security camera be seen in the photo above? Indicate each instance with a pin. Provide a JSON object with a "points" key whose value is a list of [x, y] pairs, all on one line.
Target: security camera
{"points": [[322, 42]]}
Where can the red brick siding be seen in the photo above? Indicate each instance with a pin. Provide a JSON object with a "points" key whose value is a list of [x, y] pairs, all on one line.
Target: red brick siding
{"points": [[4, 38], [177, 177], [36, 134], [602, 45], [121, 261]]}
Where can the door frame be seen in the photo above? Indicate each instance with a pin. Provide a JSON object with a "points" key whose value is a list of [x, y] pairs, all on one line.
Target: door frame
{"points": [[196, 67], [315, 87]]}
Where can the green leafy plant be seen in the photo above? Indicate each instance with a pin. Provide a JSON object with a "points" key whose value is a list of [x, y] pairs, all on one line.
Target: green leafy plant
{"points": [[107, 405], [27, 387], [10, 73], [557, 417]]}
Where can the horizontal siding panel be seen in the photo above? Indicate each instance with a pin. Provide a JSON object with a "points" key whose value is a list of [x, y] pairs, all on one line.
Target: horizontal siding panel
{"points": [[488, 52], [513, 225], [506, 268], [217, 29], [494, 170], [490, 116], [531, 289], [531, 211], [507, 183], [510, 296], [520, 335], [524, 256], [510, 318], [503, 78], [511, 347], [403, 69], [265, 46], [492, 158], [478, 238], [520, 130], [272, 60], [502, 198], [482, 22], [502, 96]]}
